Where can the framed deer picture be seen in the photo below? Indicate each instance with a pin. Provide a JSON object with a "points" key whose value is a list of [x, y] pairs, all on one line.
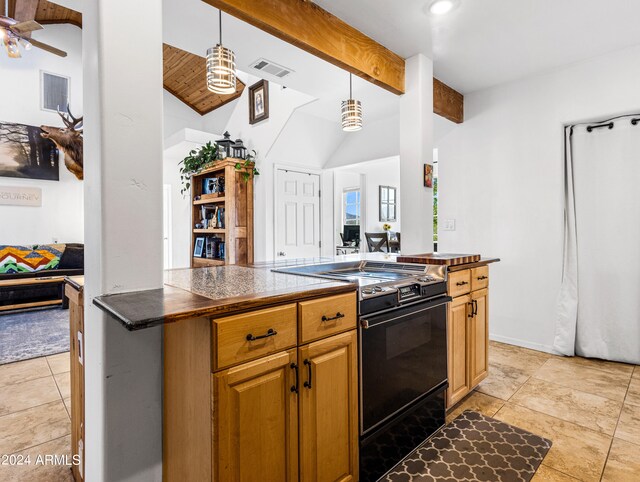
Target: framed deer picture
{"points": [[24, 153]]}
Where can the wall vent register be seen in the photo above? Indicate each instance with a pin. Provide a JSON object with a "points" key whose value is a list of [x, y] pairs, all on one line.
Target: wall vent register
{"points": [[272, 68], [55, 91]]}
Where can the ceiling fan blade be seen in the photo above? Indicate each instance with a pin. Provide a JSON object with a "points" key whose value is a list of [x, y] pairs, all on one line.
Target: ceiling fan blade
{"points": [[26, 27], [48, 48]]}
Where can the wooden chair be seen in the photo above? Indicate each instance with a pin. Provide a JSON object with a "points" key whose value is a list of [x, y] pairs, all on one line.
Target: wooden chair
{"points": [[377, 241], [394, 241]]}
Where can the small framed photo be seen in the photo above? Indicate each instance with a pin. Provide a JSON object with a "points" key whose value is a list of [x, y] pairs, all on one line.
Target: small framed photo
{"points": [[428, 175], [259, 101], [198, 247]]}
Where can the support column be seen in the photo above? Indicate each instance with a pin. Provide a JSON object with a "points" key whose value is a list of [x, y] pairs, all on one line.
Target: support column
{"points": [[416, 149], [122, 64]]}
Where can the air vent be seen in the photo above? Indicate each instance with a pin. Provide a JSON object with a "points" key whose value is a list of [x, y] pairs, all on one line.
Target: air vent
{"points": [[271, 68], [55, 91]]}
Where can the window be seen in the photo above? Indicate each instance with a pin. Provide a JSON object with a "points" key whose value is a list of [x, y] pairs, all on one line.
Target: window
{"points": [[55, 91], [435, 200], [387, 203], [351, 206]]}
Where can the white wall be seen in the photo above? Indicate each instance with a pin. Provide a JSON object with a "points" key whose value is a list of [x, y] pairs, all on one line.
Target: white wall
{"points": [[500, 178], [61, 214]]}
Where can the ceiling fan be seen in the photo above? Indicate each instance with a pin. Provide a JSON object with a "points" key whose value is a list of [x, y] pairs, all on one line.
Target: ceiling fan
{"points": [[16, 32]]}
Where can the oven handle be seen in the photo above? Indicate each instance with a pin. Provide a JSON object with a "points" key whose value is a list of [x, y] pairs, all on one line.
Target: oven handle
{"points": [[369, 323]]}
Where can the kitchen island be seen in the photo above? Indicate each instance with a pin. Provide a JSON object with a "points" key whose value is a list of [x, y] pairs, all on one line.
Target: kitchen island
{"points": [[260, 373], [261, 370]]}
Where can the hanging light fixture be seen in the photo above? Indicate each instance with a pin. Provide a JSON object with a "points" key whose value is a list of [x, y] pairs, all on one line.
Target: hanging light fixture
{"points": [[351, 111], [221, 67]]}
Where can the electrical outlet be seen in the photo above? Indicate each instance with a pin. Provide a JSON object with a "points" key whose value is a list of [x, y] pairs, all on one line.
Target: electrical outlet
{"points": [[447, 224]]}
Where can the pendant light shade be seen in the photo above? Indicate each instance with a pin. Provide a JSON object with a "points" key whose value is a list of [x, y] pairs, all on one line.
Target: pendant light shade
{"points": [[221, 67], [351, 112]]}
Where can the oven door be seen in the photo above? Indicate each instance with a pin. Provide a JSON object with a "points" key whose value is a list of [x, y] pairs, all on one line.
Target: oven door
{"points": [[403, 357]]}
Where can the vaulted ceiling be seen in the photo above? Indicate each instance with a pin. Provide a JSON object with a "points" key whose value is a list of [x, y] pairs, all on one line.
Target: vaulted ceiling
{"points": [[185, 77], [46, 12]]}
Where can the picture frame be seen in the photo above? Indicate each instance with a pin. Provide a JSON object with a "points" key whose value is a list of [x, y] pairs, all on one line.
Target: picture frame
{"points": [[428, 175], [259, 101], [198, 247]]}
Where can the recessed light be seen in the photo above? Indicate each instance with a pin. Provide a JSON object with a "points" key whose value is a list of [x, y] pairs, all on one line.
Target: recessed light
{"points": [[442, 7]]}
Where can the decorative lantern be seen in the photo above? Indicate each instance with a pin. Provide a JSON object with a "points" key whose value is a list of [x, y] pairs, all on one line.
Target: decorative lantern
{"points": [[224, 146], [239, 151], [221, 67], [351, 112]]}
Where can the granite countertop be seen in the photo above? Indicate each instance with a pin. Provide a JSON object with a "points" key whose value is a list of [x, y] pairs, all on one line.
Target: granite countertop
{"points": [[190, 293]]}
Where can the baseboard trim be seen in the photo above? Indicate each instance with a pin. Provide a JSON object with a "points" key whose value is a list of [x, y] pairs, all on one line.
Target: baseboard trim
{"points": [[523, 343]]}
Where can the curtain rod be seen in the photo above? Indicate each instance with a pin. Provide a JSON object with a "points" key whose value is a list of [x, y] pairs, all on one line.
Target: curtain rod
{"points": [[607, 122]]}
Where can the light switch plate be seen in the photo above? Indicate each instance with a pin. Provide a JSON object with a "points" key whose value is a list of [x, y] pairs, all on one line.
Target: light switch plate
{"points": [[448, 224]]}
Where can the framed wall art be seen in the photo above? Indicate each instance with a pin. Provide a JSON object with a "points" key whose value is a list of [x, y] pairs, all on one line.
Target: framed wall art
{"points": [[259, 101]]}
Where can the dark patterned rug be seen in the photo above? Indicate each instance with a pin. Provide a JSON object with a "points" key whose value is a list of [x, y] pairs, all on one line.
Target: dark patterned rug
{"points": [[474, 448], [30, 334]]}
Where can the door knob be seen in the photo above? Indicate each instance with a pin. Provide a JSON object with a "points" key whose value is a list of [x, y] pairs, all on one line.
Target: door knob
{"points": [[281, 253]]}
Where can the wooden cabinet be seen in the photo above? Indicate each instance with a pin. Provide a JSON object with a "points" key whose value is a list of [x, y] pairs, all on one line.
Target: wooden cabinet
{"points": [[244, 337], [479, 337], [457, 349], [326, 316], [329, 409], [274, 412], [467, 332], [256, 421], [74, 292]]}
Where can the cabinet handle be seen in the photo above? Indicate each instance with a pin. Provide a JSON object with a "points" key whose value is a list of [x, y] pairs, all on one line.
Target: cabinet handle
{"points": [[470, 315], [338, 316], [307, 384], [270, 332], [462, 283], [475, 307], [480, 278], [294, 388]]}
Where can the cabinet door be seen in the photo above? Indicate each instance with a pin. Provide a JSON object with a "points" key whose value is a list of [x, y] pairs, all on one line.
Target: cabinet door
{"points": [[329, 409], [458, 322], [479, 337], [256, 421]]}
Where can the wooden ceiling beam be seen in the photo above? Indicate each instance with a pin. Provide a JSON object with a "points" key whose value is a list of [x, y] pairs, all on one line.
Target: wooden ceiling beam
{"points": [[447, 102], [313, 29]]}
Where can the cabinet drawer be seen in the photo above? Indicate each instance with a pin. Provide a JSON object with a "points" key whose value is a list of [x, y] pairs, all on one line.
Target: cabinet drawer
{"points": [[326, 316], [240, 338], [479, 278], [459, 283]]}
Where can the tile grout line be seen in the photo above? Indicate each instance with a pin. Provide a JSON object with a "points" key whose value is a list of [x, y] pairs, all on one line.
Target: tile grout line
{"points": [[42, 443], [35, 406], [616, 428]]}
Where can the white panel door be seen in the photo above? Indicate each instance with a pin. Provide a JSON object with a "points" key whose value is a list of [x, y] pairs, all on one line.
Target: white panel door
{"points": [[297, 220]]}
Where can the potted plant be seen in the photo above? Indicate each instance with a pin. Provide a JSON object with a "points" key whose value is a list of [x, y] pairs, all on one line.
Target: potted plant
{"points": [[248, 166], [196, 161]]}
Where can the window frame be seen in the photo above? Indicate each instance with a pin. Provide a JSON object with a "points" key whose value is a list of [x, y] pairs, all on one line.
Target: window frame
{"points": [[387, 203], [358, 204]]}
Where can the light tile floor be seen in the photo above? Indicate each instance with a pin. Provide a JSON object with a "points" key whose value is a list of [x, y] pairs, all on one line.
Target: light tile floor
{"points": [[589, 409], [34, 418]]}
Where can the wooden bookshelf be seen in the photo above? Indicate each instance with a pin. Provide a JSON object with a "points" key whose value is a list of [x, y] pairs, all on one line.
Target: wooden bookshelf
{"points": [[237, 201]]}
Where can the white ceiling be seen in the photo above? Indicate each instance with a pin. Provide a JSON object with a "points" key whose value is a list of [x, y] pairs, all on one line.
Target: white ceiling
{"points": [[488, 42]]}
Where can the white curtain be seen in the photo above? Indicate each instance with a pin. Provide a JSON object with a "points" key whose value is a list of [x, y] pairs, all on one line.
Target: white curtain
{"points": [[599, 302]]}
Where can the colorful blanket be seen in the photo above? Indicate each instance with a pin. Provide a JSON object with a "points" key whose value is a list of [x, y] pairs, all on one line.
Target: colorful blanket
{"points": [[27, 259]]}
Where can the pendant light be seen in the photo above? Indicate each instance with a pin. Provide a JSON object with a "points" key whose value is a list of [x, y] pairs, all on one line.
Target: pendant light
{"points": [[221, 67], [351, 111]]}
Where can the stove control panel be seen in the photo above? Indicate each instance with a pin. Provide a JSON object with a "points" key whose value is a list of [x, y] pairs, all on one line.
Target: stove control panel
{"points": [[409, 291]]}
